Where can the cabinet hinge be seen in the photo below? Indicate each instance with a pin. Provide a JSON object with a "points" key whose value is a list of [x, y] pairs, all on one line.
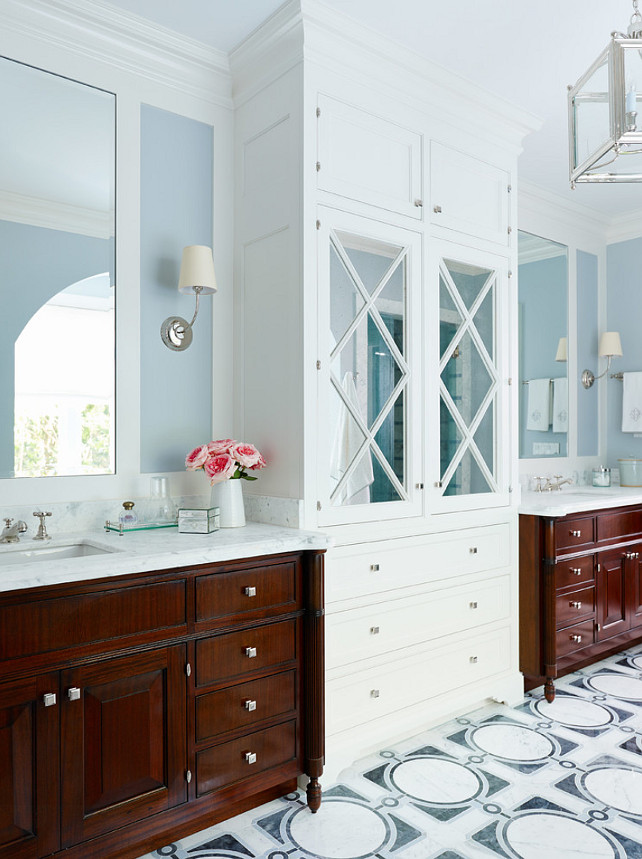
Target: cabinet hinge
{"points": [[188, 776], [188, 670], [318, 111], [510, 230], [318, 505], [510, 188], [510, 489], [318, 225], [510, 274], [599, 568], [510, 380], [318, 166], [318, 365]]}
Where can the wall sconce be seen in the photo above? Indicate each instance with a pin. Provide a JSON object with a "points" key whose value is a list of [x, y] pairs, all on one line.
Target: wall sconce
{"points": [[562, 350], [197, 276], [610, 347]]}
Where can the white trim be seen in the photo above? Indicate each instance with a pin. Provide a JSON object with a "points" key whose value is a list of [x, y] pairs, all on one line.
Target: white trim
{"points": [[38, 212], [533, 198], [98, 31], [625, 227]]}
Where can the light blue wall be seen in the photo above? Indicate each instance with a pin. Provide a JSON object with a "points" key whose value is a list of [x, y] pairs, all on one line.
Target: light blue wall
{"points": [[624, 314], [543, 308], [176, 210], [36, 264], [587, 343]]}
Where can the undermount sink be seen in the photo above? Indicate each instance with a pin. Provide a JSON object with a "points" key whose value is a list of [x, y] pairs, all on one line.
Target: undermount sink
{"points": [[12, 555]]}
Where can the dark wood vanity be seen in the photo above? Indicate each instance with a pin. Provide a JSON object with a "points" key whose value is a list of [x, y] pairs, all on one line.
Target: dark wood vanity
{"points": [[580, 580], [137, 709]]}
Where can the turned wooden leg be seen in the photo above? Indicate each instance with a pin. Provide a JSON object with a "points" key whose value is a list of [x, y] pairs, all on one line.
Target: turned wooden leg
{"points": [[313, 792], [549, 690]]}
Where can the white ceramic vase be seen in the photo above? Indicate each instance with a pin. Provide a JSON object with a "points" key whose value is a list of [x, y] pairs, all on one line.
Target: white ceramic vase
{"points": [[228, 497]]}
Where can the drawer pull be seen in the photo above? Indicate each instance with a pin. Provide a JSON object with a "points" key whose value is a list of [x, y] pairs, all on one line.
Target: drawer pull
{"points": [[374, 693], [576, 638], [577, 605], [577, 571], [49, 699], [73, 694], [575, 533], [374, 568], [250, 705], [249, 592], [436, 210], [473, 659], [472, 604], [250, 652], [374, 630], [473, 550], [250, 757]]}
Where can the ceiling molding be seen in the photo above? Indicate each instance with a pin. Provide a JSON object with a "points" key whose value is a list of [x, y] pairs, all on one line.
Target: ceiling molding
{"points": [[534, 249], [540, 200], [625, 227], [52, 215], [101, 32]]}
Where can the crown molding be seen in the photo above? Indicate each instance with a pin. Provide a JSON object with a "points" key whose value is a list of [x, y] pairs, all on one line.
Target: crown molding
{"points": [[534, 198], [52, 215], [101, 32], [625, 227]]}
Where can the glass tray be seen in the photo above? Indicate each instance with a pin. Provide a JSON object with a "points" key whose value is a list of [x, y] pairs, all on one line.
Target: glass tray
{"points": [[121, 529]]}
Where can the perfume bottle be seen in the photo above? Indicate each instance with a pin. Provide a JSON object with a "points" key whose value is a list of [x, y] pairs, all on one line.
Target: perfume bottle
{"points": [[162, 510], [127, 517]]}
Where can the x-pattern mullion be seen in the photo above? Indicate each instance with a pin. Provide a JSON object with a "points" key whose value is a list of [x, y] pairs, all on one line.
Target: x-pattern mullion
{"points": [[468, 321]]}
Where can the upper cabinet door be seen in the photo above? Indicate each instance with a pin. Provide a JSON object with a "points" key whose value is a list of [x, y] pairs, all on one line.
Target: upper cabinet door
{"points": [[368, 159], [469, 195]]}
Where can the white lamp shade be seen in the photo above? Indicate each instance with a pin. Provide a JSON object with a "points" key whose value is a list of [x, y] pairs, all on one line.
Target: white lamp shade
{"points": [[610, 344], [197, 269], [562, 350]]}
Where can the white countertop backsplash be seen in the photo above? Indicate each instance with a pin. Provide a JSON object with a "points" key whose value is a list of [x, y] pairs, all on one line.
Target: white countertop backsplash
{"points": [[576, 499], [147, 551]]}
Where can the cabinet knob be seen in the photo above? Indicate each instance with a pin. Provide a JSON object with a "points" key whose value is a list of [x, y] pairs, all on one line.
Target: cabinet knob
{"points": [[473, 659], [249, 592], [49, 699], [577, 571], [576, 638], [250, 705], [577, 605], [374, 630], [250, 757], [575, 533], [374, 568], [472, 604], [419, 203], [250, 652], [437, 210], [73, 694], [473, 550], [374, 693]]}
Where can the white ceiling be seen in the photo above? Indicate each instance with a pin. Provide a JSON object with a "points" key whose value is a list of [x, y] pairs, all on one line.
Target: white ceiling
{"points": [[525, 52]]}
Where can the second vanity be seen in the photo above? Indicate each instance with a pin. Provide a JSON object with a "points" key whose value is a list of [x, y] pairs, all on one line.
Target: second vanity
{"points": [[580, 581], [151, 690]]}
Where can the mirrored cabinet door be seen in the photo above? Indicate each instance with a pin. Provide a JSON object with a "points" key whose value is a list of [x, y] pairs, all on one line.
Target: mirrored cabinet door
{"points": [[368, 316], [470, 462]]}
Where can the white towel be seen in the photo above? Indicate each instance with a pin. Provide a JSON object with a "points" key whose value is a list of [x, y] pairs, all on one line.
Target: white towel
{"points": [[632, 402], [560, 404], [539, 405], [347, 441]]}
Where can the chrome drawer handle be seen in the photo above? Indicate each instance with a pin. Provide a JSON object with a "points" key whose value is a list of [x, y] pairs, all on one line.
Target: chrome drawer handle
{"points": [[250, 757], [374, 693], [473, 659], [577, 571], [577, 605], [249, 592], [576, 638], [472, 605], [49, 699], [250, 652], [374, 568], [73, 694], [374, 630], [250, 705], [575, 533]]}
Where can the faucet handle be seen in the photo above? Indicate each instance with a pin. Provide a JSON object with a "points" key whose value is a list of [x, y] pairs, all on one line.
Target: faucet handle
{"points": [[8, 522], [48, 513]]}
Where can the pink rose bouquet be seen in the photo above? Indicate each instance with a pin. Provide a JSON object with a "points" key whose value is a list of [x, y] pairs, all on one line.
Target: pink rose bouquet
{"points": [[225, 459]]}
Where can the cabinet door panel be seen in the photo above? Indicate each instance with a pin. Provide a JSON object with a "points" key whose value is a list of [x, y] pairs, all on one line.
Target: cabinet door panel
{"points": [[611, 595], [635, 584], [123, 742], [29, 764]]}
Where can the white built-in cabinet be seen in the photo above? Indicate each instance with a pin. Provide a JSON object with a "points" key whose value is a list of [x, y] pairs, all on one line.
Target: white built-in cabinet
{"points": [[389, 231]]}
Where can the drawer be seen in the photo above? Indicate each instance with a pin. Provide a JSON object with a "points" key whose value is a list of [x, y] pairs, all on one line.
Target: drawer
{"points": [[367, 632], [619, 525], [579, 571], [574, 605], [359, 698], [236, 654], [373, 568], [45, 625], [574, 637], [245, 704], [254, 592], [573, 534], [223, 765]]}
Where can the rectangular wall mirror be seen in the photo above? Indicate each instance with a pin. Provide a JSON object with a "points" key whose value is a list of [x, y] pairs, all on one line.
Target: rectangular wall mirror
{"points": [[57, 258], [543, 347]]}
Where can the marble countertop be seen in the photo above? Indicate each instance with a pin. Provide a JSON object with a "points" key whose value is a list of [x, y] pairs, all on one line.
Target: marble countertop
{"points": [[144, 551], [577, 499]]}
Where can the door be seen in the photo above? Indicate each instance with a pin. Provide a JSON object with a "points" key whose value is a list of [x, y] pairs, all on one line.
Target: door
{"points": [[612, 615], [29, 767], [635, 584], [123, 741]]}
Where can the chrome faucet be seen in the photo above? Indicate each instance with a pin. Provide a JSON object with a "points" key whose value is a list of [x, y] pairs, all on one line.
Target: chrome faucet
{"points": [[557, 483], [11, 531], [42, 528]]}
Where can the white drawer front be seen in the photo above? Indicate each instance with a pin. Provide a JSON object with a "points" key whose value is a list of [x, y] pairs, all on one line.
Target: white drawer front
{"points": [[368, 632], [355, 571], [362, 697]]}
